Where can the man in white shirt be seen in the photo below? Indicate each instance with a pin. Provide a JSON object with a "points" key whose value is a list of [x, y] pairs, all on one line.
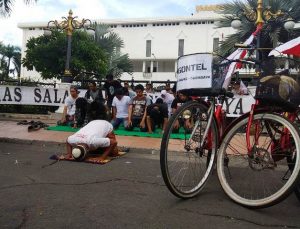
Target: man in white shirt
{"points": [[120, 106], [168, 99], [69, 108], [95, 135]]}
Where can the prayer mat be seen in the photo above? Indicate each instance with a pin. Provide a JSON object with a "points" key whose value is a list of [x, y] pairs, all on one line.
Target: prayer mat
{"points": [[109, 159]]}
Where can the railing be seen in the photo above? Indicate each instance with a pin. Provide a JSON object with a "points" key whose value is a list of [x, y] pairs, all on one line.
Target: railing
{"points": [[156, 84], [147, 75], [27, 83]]}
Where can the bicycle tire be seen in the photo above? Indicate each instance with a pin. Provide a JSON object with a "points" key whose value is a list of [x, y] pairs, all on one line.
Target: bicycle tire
{"points": [[297, 186], [169, 157], [263, 198]]}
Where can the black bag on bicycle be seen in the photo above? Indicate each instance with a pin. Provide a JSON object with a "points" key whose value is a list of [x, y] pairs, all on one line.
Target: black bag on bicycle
{"points": [[278, 91]]}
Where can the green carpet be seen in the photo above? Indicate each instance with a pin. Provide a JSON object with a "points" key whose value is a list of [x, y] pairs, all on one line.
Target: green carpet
{"points": [[122, 132]]}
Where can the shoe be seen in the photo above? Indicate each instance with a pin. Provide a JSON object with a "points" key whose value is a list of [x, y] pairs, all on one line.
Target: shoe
{"points": [[34, 127], [23, 122]]}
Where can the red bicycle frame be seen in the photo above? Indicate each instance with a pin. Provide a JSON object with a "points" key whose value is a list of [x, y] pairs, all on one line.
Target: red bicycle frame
{"points": [[284, 138]]}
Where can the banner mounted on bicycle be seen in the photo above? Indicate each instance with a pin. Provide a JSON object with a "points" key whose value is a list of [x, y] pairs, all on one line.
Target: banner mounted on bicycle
{"points": [[194, 71]]}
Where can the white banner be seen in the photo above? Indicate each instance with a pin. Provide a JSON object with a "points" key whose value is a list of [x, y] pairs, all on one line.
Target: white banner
{"points": [[34, 95], [238, 105], [234, 107], [194, 71]]}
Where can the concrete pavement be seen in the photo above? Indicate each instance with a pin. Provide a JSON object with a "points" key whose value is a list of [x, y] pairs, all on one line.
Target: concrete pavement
{"points": [[126, 193], [11, 132]]}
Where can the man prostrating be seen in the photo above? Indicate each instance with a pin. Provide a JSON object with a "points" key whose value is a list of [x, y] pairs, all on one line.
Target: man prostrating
{"points": [[96, 135]]}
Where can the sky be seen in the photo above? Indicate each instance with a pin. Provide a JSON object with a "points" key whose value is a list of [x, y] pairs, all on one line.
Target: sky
{"points": [[46, 10]]}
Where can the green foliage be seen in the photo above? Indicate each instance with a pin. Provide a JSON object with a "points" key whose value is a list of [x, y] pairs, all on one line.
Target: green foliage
{"points": [[7, 5], [273, 32], [112, 43], [10, 61], [48, 55], [99, 55]]}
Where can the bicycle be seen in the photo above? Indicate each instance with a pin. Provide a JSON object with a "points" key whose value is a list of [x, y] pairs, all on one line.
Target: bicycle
{"points": [[189, 117], [187, 163]]}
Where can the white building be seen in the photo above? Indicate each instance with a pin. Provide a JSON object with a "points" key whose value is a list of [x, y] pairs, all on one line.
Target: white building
{"points": [[154, 44]]}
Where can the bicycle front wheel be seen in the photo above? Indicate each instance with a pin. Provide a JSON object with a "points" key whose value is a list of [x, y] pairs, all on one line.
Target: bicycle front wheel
{"points": [[185, 163], [262, 177]]}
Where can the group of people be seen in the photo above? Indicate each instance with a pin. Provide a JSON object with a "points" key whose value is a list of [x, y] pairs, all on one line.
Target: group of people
{"points": [[99, 115], [121, 106]]}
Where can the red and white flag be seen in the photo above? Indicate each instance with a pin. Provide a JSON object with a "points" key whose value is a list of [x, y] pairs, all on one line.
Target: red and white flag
{"points": [[238, 55], [291, 47]]}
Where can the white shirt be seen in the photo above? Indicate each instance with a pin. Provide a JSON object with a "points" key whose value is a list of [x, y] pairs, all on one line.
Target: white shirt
{"points": [[121, 106], [70, 103], [94, 134], [168, 100], [96, 128]]}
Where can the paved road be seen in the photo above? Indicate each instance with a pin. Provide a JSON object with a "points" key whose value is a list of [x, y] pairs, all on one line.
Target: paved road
{"points": [[126, 193]]}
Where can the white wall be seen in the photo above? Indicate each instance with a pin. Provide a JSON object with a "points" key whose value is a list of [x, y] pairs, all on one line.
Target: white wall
{"points": [[164, 40], [27, 34]]}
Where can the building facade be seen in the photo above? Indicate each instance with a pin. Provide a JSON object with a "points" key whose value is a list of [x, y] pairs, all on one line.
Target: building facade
{"points": [[154, 44]]}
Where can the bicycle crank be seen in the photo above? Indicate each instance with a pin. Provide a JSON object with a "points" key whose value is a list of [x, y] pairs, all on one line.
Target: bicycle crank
{"points": [[261, 159]]}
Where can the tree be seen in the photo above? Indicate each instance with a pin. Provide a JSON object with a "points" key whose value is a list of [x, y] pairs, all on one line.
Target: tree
{"points": [[6, 6], [10, 57], [273, 32], [47, 55], [112, 43]]}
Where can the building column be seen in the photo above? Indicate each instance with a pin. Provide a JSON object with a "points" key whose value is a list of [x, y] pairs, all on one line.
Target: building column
{"points": [[144, 66], [151, 66]]}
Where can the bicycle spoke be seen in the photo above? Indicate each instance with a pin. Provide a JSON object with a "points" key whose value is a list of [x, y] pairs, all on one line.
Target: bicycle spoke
{"points": [[256, 177], [184, 166]]}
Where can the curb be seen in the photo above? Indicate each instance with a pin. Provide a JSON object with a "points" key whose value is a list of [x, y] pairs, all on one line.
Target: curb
{"points": [[51, 143]]}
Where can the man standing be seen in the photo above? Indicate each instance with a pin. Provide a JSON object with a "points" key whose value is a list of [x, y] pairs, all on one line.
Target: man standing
{"points": [[128, 91], [69, 108], [137, 110], [110, 87], [96, 135], [149, 88], [94, 94], [94, 98], [120, 106]]}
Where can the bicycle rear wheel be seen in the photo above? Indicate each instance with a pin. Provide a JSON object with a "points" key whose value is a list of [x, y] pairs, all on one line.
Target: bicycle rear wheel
{"points": [[262, 177], [185, 164]]}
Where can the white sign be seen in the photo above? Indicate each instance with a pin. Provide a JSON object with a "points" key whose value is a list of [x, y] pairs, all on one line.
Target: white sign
{"points": [[239, 104], [194, 71], [234, 107], [34, 95]]}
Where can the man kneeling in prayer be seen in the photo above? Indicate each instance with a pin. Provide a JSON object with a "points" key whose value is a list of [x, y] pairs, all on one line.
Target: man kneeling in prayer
{"points": [[95, 136]]}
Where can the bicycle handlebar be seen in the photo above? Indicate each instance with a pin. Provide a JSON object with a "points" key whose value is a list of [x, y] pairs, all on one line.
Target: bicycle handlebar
{"points": [[243, 46]]}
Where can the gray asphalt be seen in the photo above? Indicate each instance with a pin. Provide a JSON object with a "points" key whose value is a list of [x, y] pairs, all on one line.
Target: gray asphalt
{"points": [[126, 193]]}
